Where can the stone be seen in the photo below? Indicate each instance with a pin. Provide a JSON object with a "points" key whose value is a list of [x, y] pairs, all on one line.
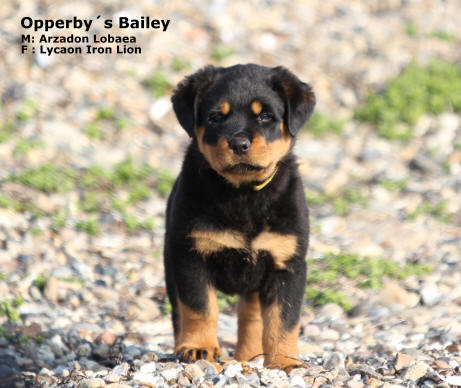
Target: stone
{"points": [[252, 379], [91, 383], [331, 311], [373, 382], [441, 364], [392, 293], [57, 345], [112, 378], [51, 289], [83, 350], [296, 381], [9, 372], [415, 372], [122, 369], [106, 337], [430, 294], [355, 382], [183, 380], [101, 350], [148, 380], [159, 108], [271, 375], [402, 360], [132, 352], [309, 348], [171, 374], [233, 369], [193, 371], [144, 310], [334, 361], [453, 380], [329, 335], [150, 367], [32, 331]]}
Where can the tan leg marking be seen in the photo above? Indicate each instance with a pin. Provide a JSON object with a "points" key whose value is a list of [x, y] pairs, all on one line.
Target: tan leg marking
{"points": [[281, 246], [198, 331], [256, 107], [280, 346], [210, 241], [250, 328]]}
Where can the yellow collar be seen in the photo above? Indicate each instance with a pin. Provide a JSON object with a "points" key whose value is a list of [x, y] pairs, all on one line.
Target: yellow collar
{"points": [[266, 182]]}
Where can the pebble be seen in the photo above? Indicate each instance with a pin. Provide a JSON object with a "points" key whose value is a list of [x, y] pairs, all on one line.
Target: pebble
{"points": [[402, 360], [51, 289], [329, 335], [334, 361], [355, 382], [171, 374], [430, 294], [193, 371], [101, 350], [206, 366], [415, 372], [148, 379], [331, 311], [83, 350], [106, 337], [132, 352], [392, 293], [454, 380], [91, 383], [296, 381], [150, 367], [112, 378], [233, 370]]}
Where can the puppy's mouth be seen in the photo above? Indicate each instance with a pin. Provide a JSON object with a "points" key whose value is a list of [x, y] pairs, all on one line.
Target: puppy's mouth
{"points": [[243, 168]]}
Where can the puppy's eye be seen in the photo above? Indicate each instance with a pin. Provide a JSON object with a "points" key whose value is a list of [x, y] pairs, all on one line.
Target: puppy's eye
{"points": [[215, 117], [264, 117]]}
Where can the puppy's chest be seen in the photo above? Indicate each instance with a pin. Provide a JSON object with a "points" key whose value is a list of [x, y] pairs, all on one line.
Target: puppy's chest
{"points": [[235, 243]]}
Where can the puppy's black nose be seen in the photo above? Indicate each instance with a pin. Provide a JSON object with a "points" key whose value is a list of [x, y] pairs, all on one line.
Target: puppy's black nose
{"points": [[240, 145]]}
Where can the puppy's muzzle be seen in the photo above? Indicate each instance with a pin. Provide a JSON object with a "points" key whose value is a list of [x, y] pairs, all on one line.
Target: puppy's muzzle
{"points": [[240, 145]]}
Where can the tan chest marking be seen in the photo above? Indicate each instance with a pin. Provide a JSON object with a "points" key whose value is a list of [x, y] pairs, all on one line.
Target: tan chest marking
{"points": [[207, 242], [281, 246]]}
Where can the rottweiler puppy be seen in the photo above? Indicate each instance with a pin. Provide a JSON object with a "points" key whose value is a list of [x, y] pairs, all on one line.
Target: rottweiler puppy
{"points": [[237, 219]]}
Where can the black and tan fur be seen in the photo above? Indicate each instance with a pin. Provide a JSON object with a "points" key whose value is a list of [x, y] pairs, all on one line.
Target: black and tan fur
{"points": [[237, 219]]}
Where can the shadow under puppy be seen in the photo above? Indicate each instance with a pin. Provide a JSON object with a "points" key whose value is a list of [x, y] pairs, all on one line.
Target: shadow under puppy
{"points": [[237, 219]]}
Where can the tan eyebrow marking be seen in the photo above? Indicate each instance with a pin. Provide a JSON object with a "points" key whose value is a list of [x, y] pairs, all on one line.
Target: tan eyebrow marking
{"points": [[224, 108], [256, 107]]}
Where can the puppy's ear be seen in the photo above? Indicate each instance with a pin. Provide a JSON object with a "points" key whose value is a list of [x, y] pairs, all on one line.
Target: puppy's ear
{"points": [[298, 97], [186, 97]]}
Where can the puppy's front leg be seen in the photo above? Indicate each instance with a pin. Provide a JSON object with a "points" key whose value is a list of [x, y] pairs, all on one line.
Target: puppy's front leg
{"points": [[250, 327], [281, 303], [198, 329], [280, 344]]}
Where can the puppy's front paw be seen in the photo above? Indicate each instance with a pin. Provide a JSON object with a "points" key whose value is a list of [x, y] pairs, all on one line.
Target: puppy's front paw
{"points": [[283, 362], [190, 353]]}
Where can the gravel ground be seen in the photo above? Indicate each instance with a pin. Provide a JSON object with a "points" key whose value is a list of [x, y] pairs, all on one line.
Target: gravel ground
{"points": [[82, 298]]}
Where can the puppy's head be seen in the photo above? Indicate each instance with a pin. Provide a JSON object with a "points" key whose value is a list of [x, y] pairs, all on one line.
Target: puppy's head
{"points": [[244, 117]]}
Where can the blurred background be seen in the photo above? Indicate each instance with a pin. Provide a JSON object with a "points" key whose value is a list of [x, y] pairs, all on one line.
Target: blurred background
{"points": [[90, 147]]}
